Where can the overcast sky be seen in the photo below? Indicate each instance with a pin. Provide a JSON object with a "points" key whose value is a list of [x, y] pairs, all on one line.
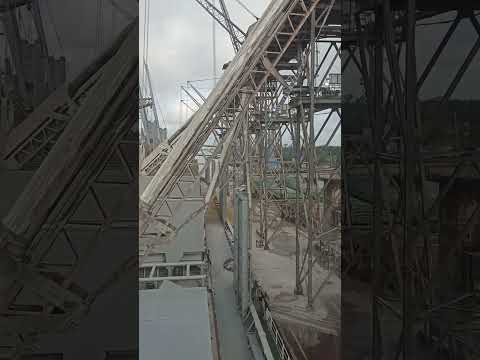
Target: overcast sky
{"points": [[180, 48]]}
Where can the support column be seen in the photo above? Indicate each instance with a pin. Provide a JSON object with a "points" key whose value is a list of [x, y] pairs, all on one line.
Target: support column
{"points": [[242, 250], [298, 281], [222, 200], [311, 165], [265, 181]]}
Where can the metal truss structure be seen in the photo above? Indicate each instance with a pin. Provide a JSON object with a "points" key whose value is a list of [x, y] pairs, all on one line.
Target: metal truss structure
{"points": [[28, 144], [269, 94], [81, 146], [29, 73], [411, 208], [150, 132], [221, 16]]}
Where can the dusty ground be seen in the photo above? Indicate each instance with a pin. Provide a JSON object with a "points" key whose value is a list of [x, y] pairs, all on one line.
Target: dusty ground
{"points": [[275, 270]]}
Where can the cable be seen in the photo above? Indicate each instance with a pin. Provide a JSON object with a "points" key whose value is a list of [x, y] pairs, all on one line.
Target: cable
{"points": [[247, 9]]}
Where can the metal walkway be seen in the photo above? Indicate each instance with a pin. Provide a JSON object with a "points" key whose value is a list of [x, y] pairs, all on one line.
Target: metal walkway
{"points": [[231, 332]]}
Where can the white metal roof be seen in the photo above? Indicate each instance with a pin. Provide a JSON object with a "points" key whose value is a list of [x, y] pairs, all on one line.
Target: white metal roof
{"points": [[174, 323]]}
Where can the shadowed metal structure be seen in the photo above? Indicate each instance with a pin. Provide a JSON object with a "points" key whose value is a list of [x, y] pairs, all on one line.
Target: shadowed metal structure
{"points": [[78, 149], [411, 195]]}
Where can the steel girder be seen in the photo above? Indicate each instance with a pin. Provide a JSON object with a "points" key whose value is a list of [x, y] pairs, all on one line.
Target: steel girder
{"points": [[67, 203]]}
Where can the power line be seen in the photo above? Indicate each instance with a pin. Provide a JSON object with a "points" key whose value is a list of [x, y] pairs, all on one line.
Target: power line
{"points": [[247, 9]]}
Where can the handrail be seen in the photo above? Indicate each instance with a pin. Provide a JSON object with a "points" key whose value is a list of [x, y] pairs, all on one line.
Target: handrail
{"points": [[259, 297], [261, 333], [162, 278]]}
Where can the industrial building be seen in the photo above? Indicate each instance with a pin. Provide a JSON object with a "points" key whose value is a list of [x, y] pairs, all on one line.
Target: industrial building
{"points": [[256, 227]]}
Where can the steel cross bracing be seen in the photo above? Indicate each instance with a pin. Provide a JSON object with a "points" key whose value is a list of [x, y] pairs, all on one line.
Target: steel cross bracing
{"points": [[242, 73], [275, 189], [149, 136], [251, 105], [67, 203], [231, 27], [29, 143], [152, 162], [237, 35], [412, 233]]}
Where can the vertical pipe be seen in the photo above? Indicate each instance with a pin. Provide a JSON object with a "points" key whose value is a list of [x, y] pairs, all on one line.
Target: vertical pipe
{"points": [[311, 149], [264, 227], [243, 250], [298, 283], [236, 265]]}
